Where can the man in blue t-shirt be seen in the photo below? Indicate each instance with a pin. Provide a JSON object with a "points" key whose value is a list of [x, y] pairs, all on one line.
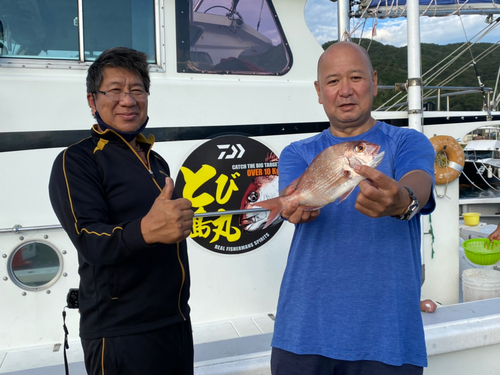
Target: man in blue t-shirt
{"points": [[349, 300]]}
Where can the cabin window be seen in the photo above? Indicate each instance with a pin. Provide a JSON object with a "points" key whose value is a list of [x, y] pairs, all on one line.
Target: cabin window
{"points": [[230, 36], [478, 154], [49, 29], [35, 265]]}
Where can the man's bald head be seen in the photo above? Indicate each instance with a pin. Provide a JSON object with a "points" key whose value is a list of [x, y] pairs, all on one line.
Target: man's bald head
{"points": [[337, 48], [346, 86]]}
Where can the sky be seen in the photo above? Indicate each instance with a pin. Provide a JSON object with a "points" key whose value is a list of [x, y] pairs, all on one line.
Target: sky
{"points": [[321, 18]]}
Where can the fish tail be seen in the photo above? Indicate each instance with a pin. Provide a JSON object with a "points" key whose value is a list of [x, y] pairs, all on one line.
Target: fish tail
{"points": [[275, 205]]}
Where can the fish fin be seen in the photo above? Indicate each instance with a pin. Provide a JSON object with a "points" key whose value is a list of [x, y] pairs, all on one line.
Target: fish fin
{"points": [[343, 179], [290, 188], [346, 177], [275, 205], [346, 194]]}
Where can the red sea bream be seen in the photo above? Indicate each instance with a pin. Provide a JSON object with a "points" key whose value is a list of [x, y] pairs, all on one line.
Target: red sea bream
{"points": [[330, 176]]}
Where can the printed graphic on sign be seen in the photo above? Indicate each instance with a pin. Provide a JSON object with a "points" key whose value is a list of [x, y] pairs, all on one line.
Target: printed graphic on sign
{"points": [[229, 174]]}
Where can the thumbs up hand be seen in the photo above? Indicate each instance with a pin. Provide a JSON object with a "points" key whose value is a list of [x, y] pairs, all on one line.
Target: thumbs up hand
{"points": [[168, 221]]}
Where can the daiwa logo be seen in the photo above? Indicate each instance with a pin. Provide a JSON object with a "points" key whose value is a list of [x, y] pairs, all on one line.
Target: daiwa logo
{"points": [[237, 151]]}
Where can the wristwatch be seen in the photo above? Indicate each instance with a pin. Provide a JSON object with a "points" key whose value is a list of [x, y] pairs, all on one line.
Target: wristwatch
{"points": [[412, 208]]}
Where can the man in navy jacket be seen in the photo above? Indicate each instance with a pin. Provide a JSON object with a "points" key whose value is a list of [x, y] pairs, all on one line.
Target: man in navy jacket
{"points": [[113, 196]]}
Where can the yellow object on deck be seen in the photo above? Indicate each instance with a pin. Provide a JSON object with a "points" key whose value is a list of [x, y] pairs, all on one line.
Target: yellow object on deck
{"points": [[471, 218]]}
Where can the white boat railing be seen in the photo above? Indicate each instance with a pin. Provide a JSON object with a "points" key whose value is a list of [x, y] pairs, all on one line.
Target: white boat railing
{"points": [[19, 228]]}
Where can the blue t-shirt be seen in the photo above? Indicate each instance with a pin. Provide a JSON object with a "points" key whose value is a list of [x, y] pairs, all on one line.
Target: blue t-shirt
{"points": [[351, 288]]}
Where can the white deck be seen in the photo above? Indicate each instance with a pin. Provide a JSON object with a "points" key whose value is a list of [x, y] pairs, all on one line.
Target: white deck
{"points": [[461, 339]]}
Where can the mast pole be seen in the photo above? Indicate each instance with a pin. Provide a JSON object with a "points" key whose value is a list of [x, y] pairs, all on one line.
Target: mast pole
{"points": [[414, 84], [414, 87], [343, 19]]}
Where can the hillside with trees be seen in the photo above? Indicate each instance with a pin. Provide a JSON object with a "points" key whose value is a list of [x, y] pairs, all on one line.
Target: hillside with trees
{"points": [[391, 66]]}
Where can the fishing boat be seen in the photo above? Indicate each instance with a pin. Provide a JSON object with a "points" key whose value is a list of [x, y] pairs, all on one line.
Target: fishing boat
{"points": [[481, 172], [479, 181], [232, 85]]}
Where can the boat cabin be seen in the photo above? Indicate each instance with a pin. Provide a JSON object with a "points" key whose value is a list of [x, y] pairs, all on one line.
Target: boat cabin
{"points": [[482, 149]]}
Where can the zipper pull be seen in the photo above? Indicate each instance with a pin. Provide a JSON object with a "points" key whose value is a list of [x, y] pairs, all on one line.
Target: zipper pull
{"points": [[151, 173]]}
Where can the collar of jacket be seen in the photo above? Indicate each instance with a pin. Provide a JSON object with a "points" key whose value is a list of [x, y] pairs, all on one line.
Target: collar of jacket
{"points": [[113, 136]]}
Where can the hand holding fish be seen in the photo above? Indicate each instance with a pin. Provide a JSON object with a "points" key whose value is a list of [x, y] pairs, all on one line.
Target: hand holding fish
{"points": [[380, 195], [297, 215]]}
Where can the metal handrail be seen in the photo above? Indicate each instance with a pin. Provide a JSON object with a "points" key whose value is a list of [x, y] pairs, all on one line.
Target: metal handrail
{"points": [[464, 92], [19, 228], [402, 86]]}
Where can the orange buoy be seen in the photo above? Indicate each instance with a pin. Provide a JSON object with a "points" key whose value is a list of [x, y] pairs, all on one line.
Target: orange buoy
{"points": [[450, 159]]}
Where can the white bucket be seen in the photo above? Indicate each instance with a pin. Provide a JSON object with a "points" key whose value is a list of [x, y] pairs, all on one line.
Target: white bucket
{"points": [[480, 283]]}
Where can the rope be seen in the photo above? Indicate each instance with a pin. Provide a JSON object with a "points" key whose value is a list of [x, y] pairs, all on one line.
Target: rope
{"points": [[479, 173], [442, 159], [460, 8], [362, 14], [428, 6], [492, 174], [463, 47], [473, 184], [362, 31], [461, 70], [440, 67], [445, 191], [496, 99], [431, 231], [260, 15], [474, 64], [397, 102]]}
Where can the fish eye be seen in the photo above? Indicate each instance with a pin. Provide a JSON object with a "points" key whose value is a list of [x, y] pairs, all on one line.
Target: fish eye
{"points": [[253, 197], [360, 148]]}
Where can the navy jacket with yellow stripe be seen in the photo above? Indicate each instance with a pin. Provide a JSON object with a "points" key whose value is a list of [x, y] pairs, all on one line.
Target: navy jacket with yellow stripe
{"points": [[100, 190]]}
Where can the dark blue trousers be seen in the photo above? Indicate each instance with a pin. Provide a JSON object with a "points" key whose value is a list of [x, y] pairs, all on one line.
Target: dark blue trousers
{"points": [[165, 351], [287, 363]]}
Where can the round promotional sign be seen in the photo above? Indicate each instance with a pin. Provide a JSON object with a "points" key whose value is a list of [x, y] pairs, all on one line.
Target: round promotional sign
{"points": [[229, 174]]}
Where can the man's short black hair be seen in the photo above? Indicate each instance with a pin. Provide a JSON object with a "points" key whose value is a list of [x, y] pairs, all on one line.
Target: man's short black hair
{"points": [[118, 57]]}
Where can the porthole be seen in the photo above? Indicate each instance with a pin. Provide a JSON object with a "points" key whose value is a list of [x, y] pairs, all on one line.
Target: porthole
{"points": [[35, 265]]}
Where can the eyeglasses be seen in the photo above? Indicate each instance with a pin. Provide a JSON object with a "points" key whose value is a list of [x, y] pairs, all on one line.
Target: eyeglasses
{"points": [[117, 95]]}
